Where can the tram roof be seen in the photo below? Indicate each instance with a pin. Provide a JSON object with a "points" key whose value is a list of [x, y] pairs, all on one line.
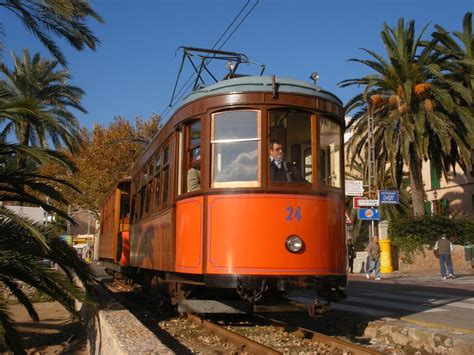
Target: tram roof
{"points": [[261, 84]]}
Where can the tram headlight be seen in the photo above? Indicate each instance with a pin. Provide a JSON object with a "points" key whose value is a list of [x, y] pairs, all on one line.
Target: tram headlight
{"points": [[294, 243]]}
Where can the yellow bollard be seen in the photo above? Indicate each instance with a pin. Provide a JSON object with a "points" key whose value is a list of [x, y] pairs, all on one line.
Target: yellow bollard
{"points": [[385, 256]]}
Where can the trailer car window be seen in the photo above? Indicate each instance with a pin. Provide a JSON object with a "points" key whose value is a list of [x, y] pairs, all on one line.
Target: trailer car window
{"points": [[235, 148]]}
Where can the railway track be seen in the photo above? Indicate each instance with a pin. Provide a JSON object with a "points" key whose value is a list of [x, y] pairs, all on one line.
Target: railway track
{"points": [[256, 334]]}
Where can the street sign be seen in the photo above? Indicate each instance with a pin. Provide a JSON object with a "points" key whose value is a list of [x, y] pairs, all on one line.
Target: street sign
{"points": [[368, 203], [354, 188], [368, 214], [388, 197], [356, 201]]}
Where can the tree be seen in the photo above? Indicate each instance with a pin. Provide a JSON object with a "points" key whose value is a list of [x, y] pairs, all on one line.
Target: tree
{"points": [[24, 243], [108, 155], [63, 19], [40, 82], [456, 52], [419, 113]]}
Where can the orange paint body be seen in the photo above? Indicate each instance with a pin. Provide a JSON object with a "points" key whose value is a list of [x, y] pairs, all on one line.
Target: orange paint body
{"points": [[246, 235], [189, 234], [125, 257]]}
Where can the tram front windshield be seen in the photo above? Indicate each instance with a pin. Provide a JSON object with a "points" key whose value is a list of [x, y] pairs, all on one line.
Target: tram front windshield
{"points": [[291, 157]]}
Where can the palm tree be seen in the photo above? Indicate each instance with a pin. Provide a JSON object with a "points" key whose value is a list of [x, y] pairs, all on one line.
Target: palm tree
{"points": [[456, 55], [63, 19], [41, 82], [418, 112], [24, 243]]}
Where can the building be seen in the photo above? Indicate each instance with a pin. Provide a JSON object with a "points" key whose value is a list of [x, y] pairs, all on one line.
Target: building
{"points": [[453, 196]]}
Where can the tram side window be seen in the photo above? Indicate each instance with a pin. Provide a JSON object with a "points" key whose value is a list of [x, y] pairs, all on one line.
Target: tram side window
{"points": [[235, 149], [192, 181], [149, 187], [157, 181], [330, 152], [165, 176], [142, 192], [290, 148]]}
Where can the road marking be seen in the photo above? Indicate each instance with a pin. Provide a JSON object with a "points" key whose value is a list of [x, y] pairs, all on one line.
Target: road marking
{"points": [[354, 309], [395, 305], [432, 301], [439, 295]]}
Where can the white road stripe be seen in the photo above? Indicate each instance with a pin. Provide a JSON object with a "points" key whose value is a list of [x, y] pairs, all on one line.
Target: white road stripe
{"points": [[435, 302], [371, 312], [395, 305], [441, 295]]}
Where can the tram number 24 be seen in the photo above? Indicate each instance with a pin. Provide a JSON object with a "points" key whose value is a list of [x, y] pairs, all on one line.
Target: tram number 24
{"points": [[293, 213]]}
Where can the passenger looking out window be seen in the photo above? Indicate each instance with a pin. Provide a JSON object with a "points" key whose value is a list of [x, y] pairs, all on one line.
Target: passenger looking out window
{"points": [[290, 146], [280, 169], [193, 157]]}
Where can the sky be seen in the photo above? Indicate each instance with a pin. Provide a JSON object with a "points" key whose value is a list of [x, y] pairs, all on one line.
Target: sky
{"points": [[133, 71]]}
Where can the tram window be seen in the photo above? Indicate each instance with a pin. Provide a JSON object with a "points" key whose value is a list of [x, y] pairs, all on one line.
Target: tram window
{"points": [[142, 193], [235, 146], [165, 176], [157, 182], [290, 148], [149, 186], [330, 152], [192, 181]]}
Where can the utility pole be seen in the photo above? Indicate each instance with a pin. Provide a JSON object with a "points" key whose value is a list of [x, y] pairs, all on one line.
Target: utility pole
{"points": [[372, 165]]}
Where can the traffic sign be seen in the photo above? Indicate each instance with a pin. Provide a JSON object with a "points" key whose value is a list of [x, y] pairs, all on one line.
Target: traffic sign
{"points": [[368, 214], [368, 203], [356, 201], [386, 196], [354, 188]]}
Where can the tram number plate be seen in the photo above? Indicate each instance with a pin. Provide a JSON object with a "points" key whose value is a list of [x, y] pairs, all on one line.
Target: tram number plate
{"points": [[293, 213]]}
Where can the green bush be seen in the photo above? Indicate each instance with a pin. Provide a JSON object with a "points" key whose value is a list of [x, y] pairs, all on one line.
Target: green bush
{"points": [[409, 234]]}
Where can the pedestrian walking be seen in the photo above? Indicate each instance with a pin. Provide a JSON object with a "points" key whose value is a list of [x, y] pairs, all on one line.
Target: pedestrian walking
{"points": [[374, 258], [443, 249], [351, 254]]}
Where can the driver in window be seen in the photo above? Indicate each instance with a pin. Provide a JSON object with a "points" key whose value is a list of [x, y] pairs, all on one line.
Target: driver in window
{"points": [[281, 170]]}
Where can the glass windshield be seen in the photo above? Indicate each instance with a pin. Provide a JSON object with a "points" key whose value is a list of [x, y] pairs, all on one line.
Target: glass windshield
{"points": [[290, 152], [235, 148]]}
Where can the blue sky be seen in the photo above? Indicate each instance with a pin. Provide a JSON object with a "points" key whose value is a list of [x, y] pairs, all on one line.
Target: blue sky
{"points": [[134, 69]]}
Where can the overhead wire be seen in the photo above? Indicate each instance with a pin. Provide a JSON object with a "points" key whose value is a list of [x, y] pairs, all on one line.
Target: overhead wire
{"points": [[185, 87]]}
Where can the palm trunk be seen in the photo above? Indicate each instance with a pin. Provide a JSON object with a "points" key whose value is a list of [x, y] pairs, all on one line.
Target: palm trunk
{"points": [[416, 184], [21, 160]]}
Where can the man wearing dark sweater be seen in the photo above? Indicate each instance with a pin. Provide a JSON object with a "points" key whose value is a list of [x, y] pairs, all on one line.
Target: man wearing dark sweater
{"points": [[444, 248], [281, 170]]}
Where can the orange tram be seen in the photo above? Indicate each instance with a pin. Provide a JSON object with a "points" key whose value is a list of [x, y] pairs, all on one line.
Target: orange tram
{"points": [[241, 192]]}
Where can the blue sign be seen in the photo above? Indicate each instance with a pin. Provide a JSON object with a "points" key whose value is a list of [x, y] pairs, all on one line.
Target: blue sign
{"points": [[388, 197], [368, 214]]}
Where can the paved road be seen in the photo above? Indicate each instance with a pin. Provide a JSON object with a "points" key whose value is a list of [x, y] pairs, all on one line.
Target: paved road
{"points": [[423, 299]]}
